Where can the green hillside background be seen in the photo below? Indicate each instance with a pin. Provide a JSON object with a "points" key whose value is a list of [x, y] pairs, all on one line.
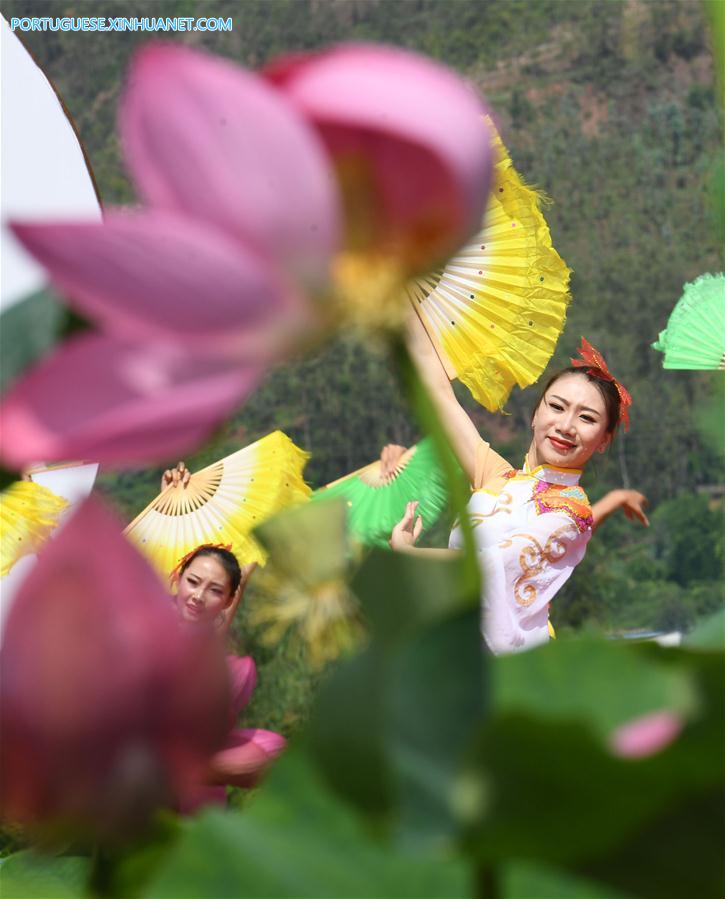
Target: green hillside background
{"points": [[608, 107]]}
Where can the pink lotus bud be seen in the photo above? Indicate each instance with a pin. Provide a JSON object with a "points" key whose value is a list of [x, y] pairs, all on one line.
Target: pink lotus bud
{"points": [[646, 735], [108, 708]]}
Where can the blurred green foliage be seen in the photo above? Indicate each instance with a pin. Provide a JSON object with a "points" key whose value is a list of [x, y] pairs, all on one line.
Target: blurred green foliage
{"points": [[430, 769], [30, 875]]}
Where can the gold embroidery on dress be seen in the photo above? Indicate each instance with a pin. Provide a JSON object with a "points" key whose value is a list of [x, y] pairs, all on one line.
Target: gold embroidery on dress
{"points": [[503, 504], [534, 558]]}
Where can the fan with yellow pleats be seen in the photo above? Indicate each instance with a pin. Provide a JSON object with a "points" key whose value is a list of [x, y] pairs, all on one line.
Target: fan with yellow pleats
{"points": [[495, 312], [28, 515], [222, 503]]}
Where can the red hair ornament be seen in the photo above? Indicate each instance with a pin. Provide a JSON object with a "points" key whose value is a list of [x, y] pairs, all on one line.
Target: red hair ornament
{"points": [[596, 366]]}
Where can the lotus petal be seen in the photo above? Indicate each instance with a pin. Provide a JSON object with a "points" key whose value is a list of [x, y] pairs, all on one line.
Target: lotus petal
{"points": [[647, 735], [155, 276], [412, 151], [118, 403], [204, 137]]}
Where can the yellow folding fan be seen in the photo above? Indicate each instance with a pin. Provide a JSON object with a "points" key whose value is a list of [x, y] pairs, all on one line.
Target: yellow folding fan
{"points": [[495, 312], [28, 514], [222, 503]]}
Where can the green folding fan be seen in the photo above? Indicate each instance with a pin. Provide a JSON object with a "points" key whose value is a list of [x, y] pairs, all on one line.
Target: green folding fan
{"points": [[695, 334], [376, 504]]}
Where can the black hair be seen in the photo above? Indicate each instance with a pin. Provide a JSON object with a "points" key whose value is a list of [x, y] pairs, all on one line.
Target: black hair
{"points": [[610, 395], [227, 559]]}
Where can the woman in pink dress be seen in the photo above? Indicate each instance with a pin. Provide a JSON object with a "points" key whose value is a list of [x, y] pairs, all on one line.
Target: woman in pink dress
{"points": [[207, 586]]}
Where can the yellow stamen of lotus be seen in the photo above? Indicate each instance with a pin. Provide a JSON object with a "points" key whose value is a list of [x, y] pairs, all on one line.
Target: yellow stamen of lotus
{"points": [[325, 618], [367, 290], [380, 255]]}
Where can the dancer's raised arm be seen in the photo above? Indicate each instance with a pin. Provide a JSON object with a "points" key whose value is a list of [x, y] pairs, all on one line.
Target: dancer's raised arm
{"points": [[461, 431]]}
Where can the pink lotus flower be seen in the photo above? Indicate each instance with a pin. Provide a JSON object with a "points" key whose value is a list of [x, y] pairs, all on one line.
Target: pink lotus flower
{"points": [[647, 735], [108, 708], [408, 141], [244, 178]]}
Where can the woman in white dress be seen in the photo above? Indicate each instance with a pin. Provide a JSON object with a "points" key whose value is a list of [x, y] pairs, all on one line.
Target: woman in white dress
{"points": [[531, 525]]}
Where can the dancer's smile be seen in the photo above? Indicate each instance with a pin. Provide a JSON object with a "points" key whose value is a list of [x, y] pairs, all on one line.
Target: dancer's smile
{"points": [[570, 423], [560, 444]]}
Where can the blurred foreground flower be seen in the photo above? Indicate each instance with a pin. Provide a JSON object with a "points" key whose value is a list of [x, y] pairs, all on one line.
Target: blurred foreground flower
{"points": [[108, 708], [244, 180], [118, 402], [647, 735], [413, 160], [304, 589]]}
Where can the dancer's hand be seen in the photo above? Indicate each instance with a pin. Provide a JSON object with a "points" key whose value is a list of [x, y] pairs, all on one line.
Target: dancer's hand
{"points": [[632, 503], [407, 530], [175, 476], [390, 458]]}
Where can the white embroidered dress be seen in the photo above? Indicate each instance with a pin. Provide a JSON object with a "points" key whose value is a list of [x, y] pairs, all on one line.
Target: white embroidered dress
{"points": [[531, 529]]}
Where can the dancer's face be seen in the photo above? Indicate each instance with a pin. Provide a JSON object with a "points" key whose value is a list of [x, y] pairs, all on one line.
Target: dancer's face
{"points": [[570, 423], [204, 590]]}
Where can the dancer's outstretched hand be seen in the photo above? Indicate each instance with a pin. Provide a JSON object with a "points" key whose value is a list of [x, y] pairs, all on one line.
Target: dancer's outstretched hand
{"points": [[407, 530], [390, 457], [632, 503], [176, 476]]}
